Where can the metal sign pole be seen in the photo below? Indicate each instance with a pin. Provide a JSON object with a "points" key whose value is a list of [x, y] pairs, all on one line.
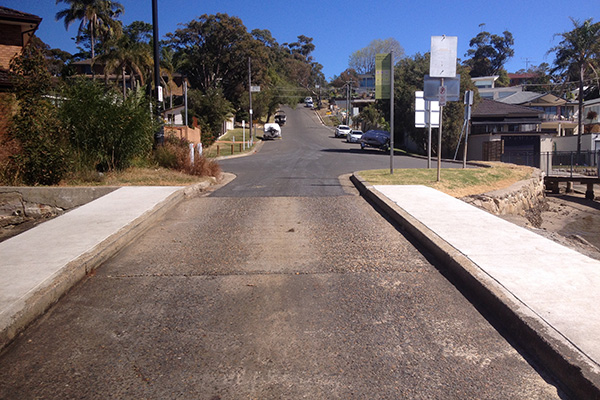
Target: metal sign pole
{"points": [[392, 116], [428, 105], [439, 149]]}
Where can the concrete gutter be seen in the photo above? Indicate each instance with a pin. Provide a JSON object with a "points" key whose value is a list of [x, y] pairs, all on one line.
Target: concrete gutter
{"points": [[578, 375]]}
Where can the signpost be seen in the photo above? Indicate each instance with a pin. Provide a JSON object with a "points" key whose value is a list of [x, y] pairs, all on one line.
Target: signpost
{"points": [[427, 115], [442, 65], [384, 89]]}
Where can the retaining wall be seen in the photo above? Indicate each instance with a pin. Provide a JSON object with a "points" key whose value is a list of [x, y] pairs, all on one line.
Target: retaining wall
{"points": [[526, 198]]}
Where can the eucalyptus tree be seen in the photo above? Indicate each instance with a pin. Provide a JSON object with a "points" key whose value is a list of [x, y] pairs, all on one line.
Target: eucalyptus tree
{"points": [[489, 52], [97, 18], [577, 55]]}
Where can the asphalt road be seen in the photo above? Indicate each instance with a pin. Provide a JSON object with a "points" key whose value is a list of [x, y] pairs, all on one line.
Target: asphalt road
{"points": [[284, 284]]}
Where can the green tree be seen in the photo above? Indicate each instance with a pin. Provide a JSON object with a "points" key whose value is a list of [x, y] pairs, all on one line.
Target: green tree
{"points": [[213, 50], [576, 56], [409, 78], [43, 158], [371, 118], [211, 108], [489, 53], [97, 18], [363, 60]]}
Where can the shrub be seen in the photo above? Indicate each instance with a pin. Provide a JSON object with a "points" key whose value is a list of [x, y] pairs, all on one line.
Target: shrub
{"points": [[106, 131], [35, 133], [175, 154]]}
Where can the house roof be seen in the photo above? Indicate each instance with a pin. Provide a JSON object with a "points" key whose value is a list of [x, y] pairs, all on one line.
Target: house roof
{"points": [[520, 98], [491, 108], [527, 75], [8, 14], [533, 99]]}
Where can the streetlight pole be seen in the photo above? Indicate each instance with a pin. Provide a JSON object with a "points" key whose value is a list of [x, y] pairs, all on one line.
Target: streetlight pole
{"points": [[159, 137]]}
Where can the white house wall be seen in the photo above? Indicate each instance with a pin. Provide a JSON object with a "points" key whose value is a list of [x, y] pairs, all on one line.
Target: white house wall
{"points": [[569, 143]]}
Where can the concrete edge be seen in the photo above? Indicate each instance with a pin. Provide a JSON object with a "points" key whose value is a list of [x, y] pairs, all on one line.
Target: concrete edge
{"points": [[575, 372], [73, 272]]}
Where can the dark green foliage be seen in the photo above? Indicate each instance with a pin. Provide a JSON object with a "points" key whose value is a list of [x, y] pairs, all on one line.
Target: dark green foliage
{"points": [[409, 78], [211, 109], [106, 132], [489, 53], [36, 127]]}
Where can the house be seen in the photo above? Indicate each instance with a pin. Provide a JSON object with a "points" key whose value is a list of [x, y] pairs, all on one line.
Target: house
{"points": [[366, 84], [174, 84], [509, 133], [558, 114], [16, 29], [486, 85], [517, 79], [591, 115]]}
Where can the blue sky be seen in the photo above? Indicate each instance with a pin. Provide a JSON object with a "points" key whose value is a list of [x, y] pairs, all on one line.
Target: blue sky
{"points": [[338, 28]]}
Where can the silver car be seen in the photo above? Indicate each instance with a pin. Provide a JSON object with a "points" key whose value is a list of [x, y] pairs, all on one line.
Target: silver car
{"points": [[354, 136]]}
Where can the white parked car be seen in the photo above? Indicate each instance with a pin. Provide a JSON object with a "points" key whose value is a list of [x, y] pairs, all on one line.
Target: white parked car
{"points": [[342, 130], [272, 131], [354, 136]]}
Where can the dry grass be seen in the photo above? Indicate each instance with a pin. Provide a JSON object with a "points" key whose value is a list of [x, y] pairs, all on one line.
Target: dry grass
{"points": [[137, 176], [456, 182]]}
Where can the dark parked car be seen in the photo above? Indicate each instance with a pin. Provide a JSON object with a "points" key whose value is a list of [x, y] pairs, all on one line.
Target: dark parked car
{"points": [[377, 139], [280, 118]]}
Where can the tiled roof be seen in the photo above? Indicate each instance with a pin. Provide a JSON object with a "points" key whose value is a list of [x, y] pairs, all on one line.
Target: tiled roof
{"points": [[14, 15], [491, 108]]}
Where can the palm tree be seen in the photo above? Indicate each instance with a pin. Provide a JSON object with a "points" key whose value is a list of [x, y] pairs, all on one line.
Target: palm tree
{"points": [[97, 17], [131, 55], [577, 52]]}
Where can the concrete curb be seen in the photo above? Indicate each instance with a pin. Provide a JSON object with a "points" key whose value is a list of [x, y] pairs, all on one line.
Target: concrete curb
{"points": [[17, 318], [255, 150], [578, 375]]}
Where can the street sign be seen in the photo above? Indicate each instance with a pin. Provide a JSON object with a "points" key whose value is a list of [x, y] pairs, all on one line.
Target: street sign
{"points": [[383, 73], [432, 87], [443, 56], [426, 112], [419, 110], [255, 88], [442, 95]]}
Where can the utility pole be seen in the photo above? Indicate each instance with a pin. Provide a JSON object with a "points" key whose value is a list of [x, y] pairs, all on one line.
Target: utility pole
{"points": [[159, 136], [392, 115], [250, 94]]}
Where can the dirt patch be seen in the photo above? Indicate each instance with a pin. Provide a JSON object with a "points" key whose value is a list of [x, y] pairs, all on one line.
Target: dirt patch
{"points": [[570, 219]]}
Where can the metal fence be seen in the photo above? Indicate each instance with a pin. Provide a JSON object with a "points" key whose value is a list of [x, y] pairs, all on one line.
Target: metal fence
{"points": [[557, 162]]}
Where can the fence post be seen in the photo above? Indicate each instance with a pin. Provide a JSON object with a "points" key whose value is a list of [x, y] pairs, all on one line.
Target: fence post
{"points": [[218, 150], [232, 148]]}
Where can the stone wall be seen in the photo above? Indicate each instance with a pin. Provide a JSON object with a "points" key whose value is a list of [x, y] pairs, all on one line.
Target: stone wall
{"points": [[526, 198]]}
